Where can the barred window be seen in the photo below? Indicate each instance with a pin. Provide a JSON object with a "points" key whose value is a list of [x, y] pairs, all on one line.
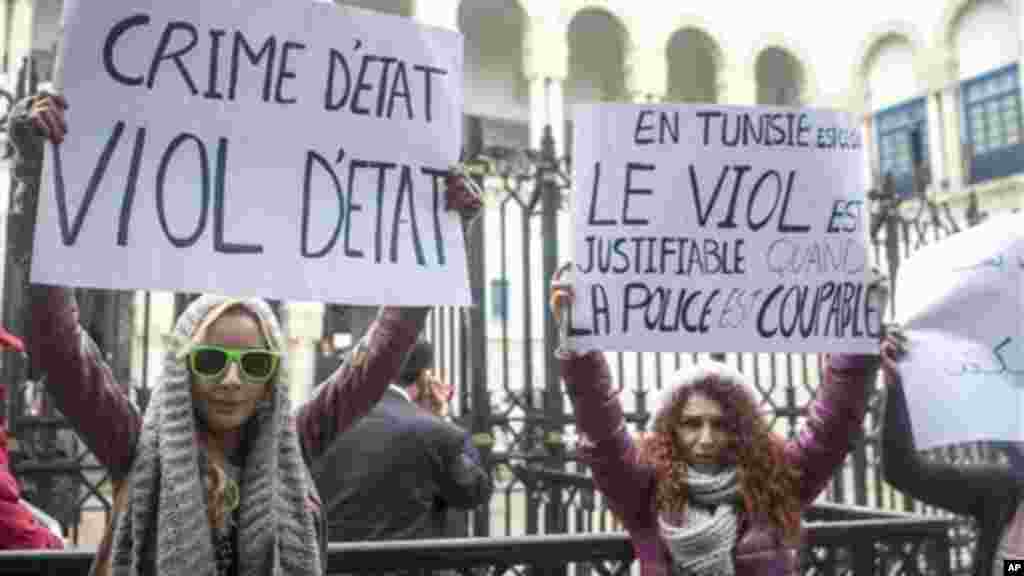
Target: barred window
{"points": [[896, 129], [991, 106]]}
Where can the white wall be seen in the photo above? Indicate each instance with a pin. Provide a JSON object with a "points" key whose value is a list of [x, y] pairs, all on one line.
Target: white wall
{"points": [[890, 76], [46, 24], [987, 37]]}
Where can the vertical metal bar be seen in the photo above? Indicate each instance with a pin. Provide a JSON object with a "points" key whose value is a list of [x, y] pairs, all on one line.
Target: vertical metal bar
{"points": [[454, 330], [505, 355], [503, 237], [439, 343], [480, 421], [620, 369], [533, 502], [146, 318], [557, 518]]}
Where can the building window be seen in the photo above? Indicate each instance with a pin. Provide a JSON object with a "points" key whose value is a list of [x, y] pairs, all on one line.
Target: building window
{"points": [[992, 116], [499, 298], [902, 133]]}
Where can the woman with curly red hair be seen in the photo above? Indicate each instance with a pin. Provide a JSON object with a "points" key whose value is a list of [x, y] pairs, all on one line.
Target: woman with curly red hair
{"points": [[711, 490]]}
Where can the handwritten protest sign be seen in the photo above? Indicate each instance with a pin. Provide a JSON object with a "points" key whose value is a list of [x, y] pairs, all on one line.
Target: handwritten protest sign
{"points": [[960, 303], [715, 228], [259, 147]]}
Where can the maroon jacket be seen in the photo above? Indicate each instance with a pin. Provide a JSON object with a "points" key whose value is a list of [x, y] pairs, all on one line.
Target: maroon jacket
{"points": [[19, 529], [84, 389], [833, 424]]}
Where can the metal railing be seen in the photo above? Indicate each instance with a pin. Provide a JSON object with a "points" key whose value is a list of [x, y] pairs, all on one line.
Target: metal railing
{"points": [[895, 544]]}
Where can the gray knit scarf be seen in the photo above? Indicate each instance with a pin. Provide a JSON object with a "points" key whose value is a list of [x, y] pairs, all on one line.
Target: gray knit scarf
{"points": [[701, 542], [165, 526]]}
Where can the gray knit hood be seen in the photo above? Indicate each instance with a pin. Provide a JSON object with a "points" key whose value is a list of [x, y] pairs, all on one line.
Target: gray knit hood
{"points": [[165, 527]]}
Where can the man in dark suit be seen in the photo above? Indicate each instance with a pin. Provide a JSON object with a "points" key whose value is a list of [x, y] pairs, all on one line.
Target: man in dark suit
{"points": [[394, 474]]}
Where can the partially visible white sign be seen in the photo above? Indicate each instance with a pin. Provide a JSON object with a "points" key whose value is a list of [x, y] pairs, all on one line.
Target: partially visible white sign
{"points": [[960, 302]]}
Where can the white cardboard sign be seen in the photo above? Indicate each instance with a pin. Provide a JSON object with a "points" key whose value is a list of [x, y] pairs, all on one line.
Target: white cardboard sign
{"points": [[280, 148], [960, 303], [719, 228]]}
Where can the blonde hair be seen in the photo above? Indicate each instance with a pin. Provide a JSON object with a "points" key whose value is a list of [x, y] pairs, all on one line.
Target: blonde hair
{"points": [[216, 489], [216, 478]]}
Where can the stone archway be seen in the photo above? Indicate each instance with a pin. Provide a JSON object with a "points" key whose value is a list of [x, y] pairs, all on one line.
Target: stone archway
{"points": [[982, 35], [888, 72]]}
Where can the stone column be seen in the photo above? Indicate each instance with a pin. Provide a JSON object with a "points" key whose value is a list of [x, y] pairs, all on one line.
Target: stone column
{"points": [[556, 114], [538, 109], [936, 139], [303, 327], [19, 44], [950, 96]]}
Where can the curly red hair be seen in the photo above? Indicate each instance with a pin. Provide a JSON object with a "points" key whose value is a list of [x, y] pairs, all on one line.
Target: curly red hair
{"points": [[768, 483]]}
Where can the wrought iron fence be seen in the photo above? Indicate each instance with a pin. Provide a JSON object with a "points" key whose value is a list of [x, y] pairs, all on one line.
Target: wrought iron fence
{"points": [[862, 547]]}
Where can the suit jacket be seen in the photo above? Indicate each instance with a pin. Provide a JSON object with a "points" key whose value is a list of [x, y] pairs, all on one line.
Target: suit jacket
{"points": [[395, 472]]}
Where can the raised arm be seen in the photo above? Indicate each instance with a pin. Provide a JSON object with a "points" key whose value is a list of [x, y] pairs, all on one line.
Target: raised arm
{"points": [[959, 489], [82, 385], [354, 388], [834, 421], [612, 454], [357, 385]]}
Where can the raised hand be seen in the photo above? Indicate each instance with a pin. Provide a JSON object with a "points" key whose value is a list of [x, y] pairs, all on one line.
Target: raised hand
{"points": [[441, 395], [461, 195], [47, 115], [879, 292], [894, 348], [561, 298]]}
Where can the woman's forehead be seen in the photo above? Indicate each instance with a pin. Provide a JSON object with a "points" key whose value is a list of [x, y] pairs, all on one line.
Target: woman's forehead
{"points": [[235, 328], [700, 404], [213, 315]]}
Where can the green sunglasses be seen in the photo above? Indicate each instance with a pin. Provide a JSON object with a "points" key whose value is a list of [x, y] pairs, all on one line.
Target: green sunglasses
{"points": [[256, 365]]}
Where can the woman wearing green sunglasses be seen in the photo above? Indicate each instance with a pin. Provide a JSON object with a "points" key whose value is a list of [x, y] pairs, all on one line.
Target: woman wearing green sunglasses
{"points": [[214, 477]]}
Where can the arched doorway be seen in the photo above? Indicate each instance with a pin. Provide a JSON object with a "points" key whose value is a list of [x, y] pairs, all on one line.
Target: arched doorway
{"points": [[780, 78], [693, 63]]}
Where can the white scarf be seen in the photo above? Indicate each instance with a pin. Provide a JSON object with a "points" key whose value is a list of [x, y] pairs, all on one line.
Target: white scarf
{"points": [[702, 545]]}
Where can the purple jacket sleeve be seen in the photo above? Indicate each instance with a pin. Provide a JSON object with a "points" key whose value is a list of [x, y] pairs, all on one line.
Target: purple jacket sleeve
{"points": [[356, 386], [82, 385], [613, 456], [834, 421]]}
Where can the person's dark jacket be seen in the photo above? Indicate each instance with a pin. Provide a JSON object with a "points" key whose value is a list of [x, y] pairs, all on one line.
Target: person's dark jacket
{"points": [[393, 475], [988, 493]]}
